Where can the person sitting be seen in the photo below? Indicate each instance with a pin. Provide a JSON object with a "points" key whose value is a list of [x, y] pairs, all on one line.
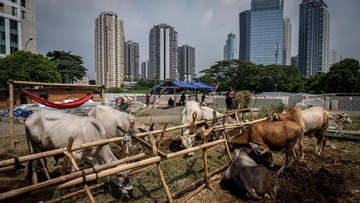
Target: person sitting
{"points": [[171, 102], [182, 99]]}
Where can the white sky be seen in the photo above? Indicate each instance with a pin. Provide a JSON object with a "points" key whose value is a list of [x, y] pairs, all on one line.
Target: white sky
{"points": [[204, 24]]}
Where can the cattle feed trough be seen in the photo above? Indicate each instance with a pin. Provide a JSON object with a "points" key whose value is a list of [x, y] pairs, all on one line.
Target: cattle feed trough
{"points": [[87, 175]]}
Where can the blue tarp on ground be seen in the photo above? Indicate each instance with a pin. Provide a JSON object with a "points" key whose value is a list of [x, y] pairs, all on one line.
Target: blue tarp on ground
{"points": [[169, 86]]}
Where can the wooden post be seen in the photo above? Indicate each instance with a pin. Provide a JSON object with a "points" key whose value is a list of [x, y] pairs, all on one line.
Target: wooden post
{"points": [[206, 170], [103, 95], [64, 165], [161, 174], [65, 160], [11, 114], [162, 134]]}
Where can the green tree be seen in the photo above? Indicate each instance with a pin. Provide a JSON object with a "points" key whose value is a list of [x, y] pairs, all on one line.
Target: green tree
{"points": [[344, 77], [69, 66], [27, 66]]}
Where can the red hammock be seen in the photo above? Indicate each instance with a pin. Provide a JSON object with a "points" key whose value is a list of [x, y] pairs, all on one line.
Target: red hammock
{"points": [[69, 105]]}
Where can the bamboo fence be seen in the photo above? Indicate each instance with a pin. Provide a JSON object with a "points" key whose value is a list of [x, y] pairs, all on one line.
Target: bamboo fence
{"points": [[105, 170]]}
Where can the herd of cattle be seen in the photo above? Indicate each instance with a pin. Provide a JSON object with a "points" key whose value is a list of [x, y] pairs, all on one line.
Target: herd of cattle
{"points": [[48, 129]]}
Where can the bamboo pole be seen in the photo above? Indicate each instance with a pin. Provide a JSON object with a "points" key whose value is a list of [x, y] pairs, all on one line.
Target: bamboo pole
{"points": [[76, 167], [185, 199], [69, 177], [59, 151], [192, 149], [103, 95], [51, 84], [63, 197], [108, 172], [161, 174], [162, 134], [193, 184], [66, 159], [11, 114]]}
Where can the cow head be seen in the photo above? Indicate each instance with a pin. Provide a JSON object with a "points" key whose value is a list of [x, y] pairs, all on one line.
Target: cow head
{"points": [[343, 117], [272, 116], [263, 153], [123, 182], [187, 140]]}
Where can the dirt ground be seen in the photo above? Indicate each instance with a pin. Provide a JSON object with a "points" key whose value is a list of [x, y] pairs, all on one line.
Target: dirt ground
{"points": [[334, 176]]}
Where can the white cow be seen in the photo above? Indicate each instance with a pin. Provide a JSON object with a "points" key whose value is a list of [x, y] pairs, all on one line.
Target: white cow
{"points": [[248, 174], [50, 129], [202, 113], [117, 123], [338, 121]]}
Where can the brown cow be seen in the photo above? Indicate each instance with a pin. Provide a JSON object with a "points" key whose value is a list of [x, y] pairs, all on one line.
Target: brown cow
{"points": [[271, 135], [314, 121]]}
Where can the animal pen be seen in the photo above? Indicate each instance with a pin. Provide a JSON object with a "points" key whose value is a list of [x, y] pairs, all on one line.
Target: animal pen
{"points": [[11, 99], [133, 162]]}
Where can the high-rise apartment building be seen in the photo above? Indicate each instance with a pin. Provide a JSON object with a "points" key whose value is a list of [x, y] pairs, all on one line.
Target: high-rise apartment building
{"points": [[314, 26], [244, 37], [109, 50], [230, 48], [335, 57], [131, 60], [144, 73], [186, 63], [163, 62], [287, 42], [266, 32], [294, 61], [17, 26]]}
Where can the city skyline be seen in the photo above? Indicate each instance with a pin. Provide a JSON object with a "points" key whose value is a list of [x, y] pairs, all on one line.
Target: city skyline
{"points": [[68, 25]]}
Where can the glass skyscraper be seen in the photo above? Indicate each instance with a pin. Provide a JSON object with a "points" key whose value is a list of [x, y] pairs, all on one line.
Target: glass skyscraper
{"points": [[230, 48], [314, 28], [266, 32], [244, 25]]}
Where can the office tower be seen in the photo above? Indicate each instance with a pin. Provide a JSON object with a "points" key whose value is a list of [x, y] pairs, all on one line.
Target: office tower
{"points": [[163, 52], [287, 42], [335, 57], [109, 50], [17, 26], [244, 37], [144, 69], [294, 61], [186, 63], [131, 60], [266, 32], [230, 48], [314, 25]]}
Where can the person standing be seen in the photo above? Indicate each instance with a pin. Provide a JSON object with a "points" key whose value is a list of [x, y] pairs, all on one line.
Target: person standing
{"points": [[228, 100], [203, 98], [147, 102]]}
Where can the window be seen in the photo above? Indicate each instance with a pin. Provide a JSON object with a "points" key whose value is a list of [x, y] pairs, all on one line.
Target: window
{"points": [[2, 21], [13, 50], [1, 7], [23, 3], [13, 24], [14, 1], [14, 11], [2, 35], [2, 49], [14, 38], [23, 15]]}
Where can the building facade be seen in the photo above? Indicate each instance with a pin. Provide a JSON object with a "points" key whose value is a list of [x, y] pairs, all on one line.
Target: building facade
{"points": [[109, 50], [17, 26], [186, 63], [266, 32], [163, 62], [131, 60], [314, 29], [294, 61], [144, 73], [230, 48], [335, 57], [287, 42], [244, 36]]}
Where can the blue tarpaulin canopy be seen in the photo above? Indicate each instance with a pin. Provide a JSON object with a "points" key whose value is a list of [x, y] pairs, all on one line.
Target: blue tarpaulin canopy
{"points": [[178, 86]]}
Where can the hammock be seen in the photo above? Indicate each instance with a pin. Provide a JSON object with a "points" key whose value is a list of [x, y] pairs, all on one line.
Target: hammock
{"points": [[69, 105]]}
